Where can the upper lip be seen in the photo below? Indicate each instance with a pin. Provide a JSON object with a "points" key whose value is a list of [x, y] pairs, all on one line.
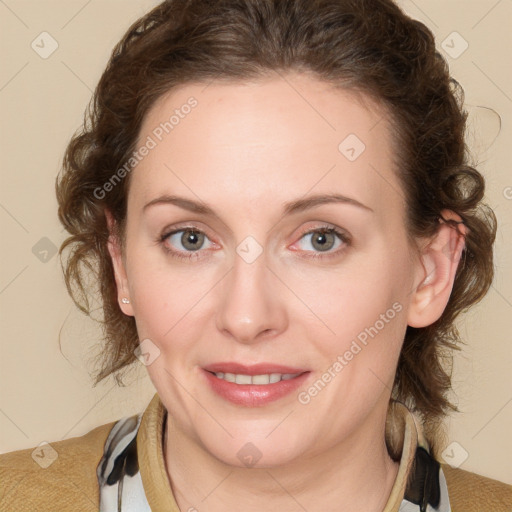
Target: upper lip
{"points": [[254, 369]]}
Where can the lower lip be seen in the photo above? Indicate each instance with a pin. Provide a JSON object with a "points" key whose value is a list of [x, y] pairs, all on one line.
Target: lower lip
{"points": [[253, 395]]}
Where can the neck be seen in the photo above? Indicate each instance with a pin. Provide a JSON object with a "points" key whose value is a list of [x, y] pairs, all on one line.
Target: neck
{"points": [[356, 474]]}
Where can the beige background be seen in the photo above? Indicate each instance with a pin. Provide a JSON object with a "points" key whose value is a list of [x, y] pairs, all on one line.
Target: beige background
{"points": [[48, 397]]}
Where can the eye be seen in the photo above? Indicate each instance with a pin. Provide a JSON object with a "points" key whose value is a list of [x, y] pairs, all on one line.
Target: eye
{"points": [[324, 239], [187, 240], [322, 242]]}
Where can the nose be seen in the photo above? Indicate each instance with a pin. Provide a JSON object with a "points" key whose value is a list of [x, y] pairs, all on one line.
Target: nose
{"points": [[252, 303]]}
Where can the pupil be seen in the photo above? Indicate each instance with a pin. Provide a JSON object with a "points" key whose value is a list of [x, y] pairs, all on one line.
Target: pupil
{"points": [[321, 240], [190, 240]]}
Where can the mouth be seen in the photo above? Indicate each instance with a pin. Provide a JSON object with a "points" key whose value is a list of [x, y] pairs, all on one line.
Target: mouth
{"points": [[257, 380], [253, 386]]}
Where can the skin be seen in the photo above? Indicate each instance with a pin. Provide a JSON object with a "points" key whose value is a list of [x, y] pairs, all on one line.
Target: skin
{"points": [[245, 150]]}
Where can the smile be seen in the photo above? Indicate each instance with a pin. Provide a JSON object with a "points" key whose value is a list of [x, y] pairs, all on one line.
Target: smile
{"points": [[253, 390], [259, 380]]}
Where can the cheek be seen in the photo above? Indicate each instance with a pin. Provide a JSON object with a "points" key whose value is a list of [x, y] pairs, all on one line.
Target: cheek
{"points": [[363, 328], [367, 291], [164, 296]]}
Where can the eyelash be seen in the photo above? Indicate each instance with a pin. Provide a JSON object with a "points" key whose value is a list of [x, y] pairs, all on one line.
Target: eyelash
{"points": [[345, 239]]}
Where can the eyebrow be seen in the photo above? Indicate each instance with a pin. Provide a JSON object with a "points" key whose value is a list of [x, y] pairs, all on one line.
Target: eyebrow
{"points": [[296, 206]]}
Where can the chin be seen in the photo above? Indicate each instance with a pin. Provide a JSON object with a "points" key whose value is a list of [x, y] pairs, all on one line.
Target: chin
{"points": [[246, 451]]}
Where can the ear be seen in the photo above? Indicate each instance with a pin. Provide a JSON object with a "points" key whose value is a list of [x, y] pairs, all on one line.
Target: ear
{"points": [[115, 250], [436, 274]]}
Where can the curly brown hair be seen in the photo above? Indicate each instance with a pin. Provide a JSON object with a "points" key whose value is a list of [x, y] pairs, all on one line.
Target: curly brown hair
{"points": [[368, 46]]}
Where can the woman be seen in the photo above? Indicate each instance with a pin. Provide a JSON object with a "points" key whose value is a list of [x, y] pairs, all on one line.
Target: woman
{"points": [[275, 199]]}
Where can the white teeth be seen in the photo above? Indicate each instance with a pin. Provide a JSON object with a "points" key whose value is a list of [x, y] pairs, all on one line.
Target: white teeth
{"points": [[243, 379], [264, 379]]}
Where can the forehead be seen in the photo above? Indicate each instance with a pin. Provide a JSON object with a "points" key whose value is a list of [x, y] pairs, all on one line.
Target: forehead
{"points": [[279, 138]]}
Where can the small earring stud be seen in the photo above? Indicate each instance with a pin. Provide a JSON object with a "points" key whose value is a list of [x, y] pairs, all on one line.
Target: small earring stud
{"points": [[124, 300]]}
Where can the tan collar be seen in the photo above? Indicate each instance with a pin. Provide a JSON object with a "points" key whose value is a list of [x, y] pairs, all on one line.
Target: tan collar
{"points": [[151, 459], [402, 431]]}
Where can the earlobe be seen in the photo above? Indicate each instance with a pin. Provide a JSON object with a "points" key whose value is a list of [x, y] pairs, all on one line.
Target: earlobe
{"points": [[436, 271], [114, 249]]}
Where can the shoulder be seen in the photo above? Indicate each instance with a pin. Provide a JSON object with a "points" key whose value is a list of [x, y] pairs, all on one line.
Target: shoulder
{"points": [[470, 492], [59, 475]]}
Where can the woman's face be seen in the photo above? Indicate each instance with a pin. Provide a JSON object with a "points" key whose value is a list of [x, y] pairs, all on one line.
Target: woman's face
{"points": [[251, 277]]}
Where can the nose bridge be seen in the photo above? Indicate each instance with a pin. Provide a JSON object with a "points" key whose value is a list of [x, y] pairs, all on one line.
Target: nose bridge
{"points": [[250, 304]]}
